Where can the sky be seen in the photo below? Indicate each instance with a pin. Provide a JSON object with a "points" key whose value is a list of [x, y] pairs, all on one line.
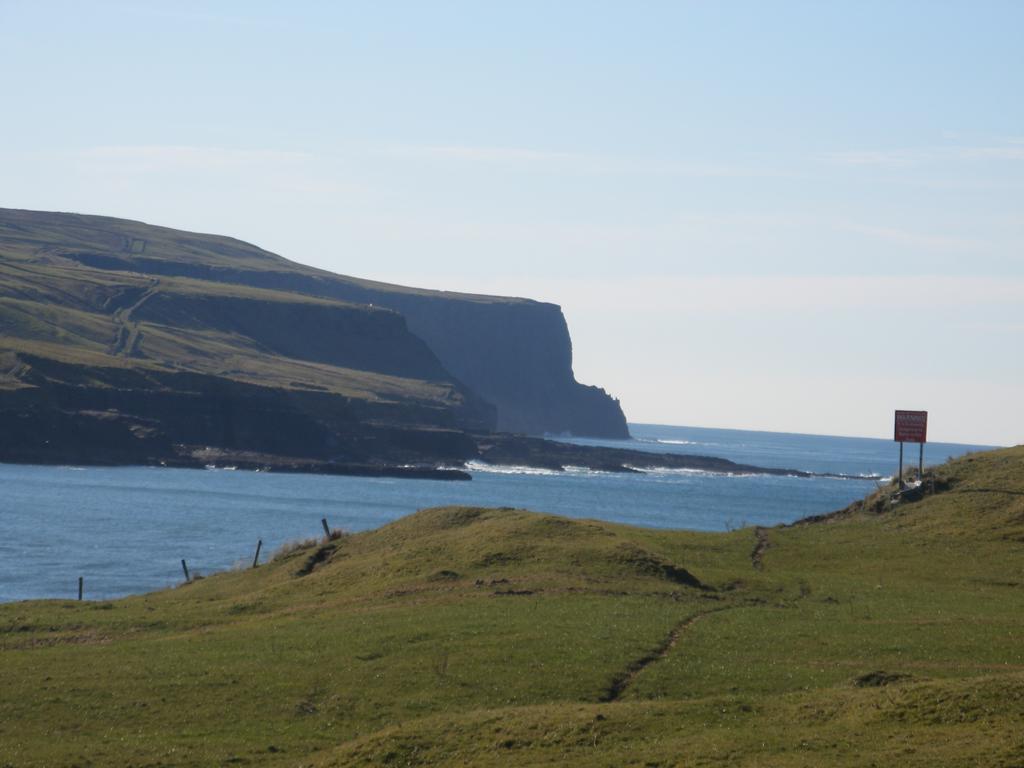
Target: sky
{"points": [[787, 216]]}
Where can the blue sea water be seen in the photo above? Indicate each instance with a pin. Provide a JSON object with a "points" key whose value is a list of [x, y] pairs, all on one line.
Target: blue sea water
{"points": [[126, 530]]}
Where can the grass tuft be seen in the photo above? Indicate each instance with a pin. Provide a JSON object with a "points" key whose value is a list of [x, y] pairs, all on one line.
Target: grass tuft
{"points": [[290, 548]]}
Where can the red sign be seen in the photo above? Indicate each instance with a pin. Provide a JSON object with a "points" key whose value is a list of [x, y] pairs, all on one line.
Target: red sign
{"points": [[911, 427]]}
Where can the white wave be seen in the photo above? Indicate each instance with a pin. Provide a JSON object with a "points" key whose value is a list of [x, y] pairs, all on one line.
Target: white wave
{"points": [[508, 469], [853, 478], [862, 476], [505, 469], [678, 471], [671, 441], [572, 470], [688, 472]]}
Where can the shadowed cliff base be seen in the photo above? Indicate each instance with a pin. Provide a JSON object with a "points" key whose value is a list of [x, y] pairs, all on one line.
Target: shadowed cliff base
{"points": [[57, 413]]}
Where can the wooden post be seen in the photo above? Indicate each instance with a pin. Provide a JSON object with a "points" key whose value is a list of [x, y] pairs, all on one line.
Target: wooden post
{"points": [[80, 580], [901, 465], [920, 463], [256, 560], [327, 530], [185, 569]]}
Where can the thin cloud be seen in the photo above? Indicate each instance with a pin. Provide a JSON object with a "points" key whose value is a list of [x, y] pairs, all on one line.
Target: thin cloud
{"points": [[996, 153], [587, 163], [191, 157], [874, 157], [917, 239], [524, 158], [193, 16], [491, 154], [1011, 149]]}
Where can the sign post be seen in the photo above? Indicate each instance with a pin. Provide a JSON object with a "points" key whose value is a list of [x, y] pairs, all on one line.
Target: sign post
{"points": [[912, 427]]}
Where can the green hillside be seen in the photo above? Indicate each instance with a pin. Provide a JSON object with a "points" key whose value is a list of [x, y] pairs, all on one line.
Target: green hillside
{"points": [[151, 290], [70, 312], [889, 634], [34, 236]]}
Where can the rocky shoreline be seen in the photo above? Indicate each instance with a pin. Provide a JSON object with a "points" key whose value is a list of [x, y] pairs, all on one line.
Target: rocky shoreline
{"points": [[494, 449], [519, 450]]}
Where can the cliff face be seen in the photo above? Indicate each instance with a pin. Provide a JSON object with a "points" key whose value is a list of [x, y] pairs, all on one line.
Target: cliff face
{"points": [[356, 338], [514, 353], [518, 356]]}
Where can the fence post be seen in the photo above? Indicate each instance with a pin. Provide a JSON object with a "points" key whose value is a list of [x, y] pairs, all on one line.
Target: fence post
{"points": [[80, 581], [327, 530], [185, 569], [256, 560]]}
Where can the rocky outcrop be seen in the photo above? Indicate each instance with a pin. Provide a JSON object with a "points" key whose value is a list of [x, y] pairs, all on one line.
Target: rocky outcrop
{"points": [[518, 450], [74, 414], [88, 414]]}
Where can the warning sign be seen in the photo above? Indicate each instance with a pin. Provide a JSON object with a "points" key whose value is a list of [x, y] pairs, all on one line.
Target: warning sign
{"points": [[911, 427]]}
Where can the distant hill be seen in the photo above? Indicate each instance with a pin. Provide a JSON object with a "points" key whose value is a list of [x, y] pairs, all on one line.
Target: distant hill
{"points": [[514, 353], [130, 339]]}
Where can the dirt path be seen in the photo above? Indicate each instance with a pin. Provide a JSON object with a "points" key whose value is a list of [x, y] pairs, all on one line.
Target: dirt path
{"points": [[761, 544], [625, 679], [126, 343]]}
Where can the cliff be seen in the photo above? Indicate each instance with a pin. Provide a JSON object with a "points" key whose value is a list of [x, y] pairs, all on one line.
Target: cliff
{"points": [[513, 353], [206, 352], [110, 366], [516, 355]]}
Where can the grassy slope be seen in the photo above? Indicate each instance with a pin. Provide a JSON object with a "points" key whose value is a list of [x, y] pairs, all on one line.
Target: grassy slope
{"points": [[74, 314], [496, 637], [42, 235]]}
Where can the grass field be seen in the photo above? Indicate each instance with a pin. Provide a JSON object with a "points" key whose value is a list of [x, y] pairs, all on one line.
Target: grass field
{"points": [[890, 634]]}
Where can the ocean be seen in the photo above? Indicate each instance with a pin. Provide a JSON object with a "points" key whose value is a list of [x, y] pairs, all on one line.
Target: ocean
{"points": [[125, 530]]}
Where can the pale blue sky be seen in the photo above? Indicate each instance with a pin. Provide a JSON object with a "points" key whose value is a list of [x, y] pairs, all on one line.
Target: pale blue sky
{"points": [[771, 215]]}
